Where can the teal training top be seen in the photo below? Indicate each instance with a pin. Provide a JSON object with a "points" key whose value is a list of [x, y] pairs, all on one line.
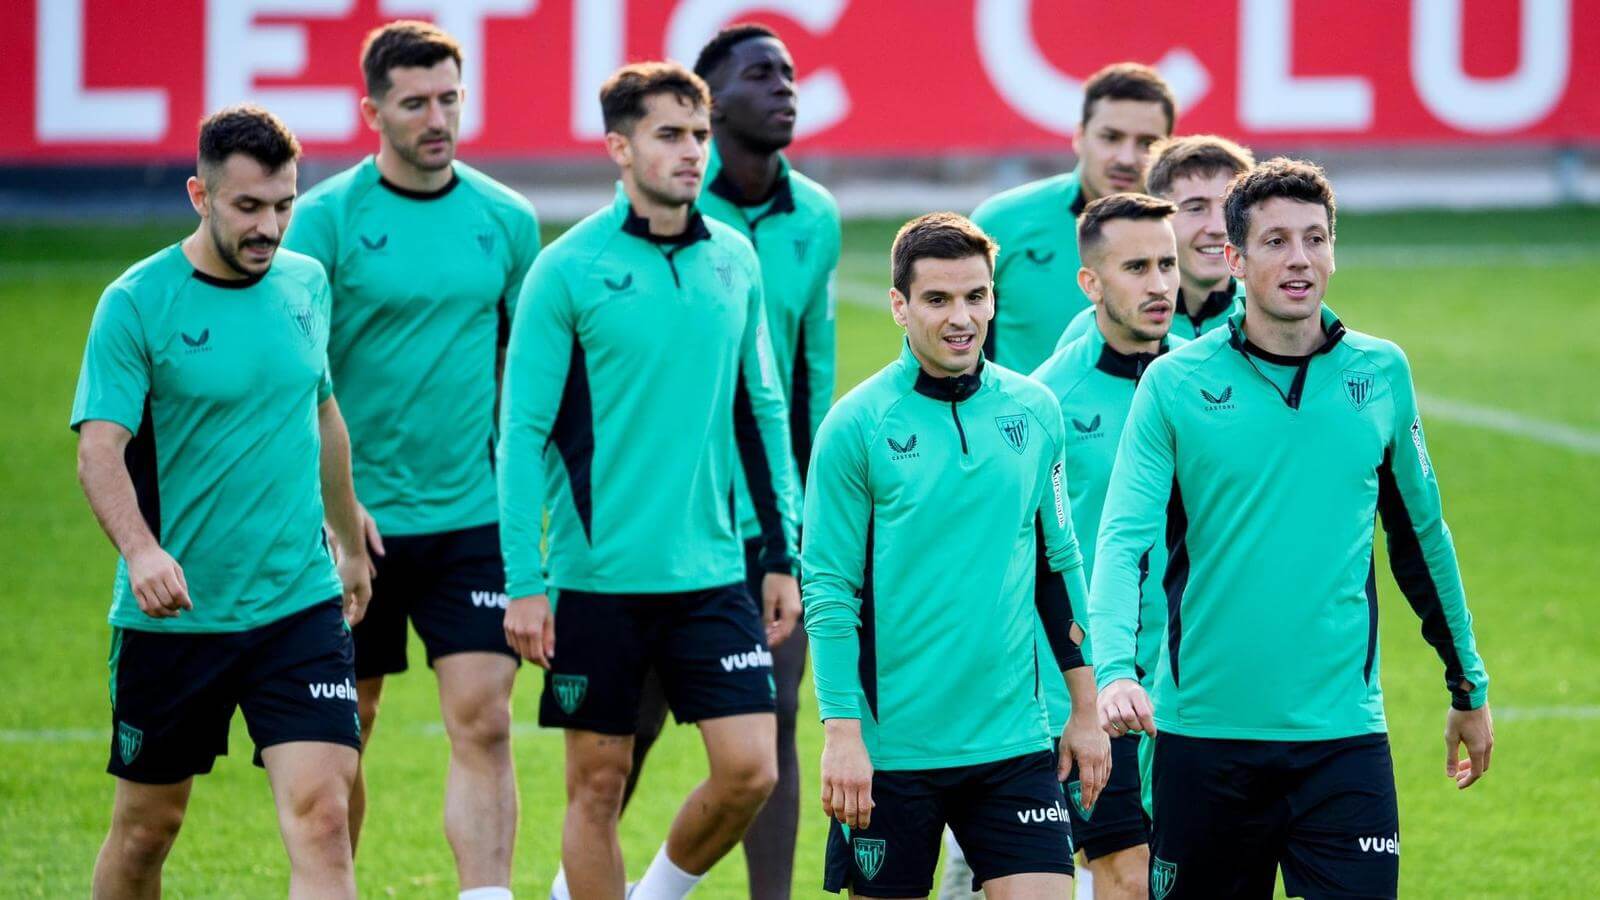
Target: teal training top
{"points": [[1214, 313], [1272, 629], [933, 506], [423, 284], [219, 382], [638, 367], [1036, 273], [1094, 385], [795, 232]]}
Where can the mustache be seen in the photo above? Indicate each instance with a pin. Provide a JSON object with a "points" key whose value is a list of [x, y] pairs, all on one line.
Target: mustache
{"points": [[258, 242]]}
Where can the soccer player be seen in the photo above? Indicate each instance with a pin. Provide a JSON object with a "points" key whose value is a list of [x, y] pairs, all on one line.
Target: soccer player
{"points": [[210, 448], [937, 535], [426, 255], [1127, 108], [793, 223], [1130, 273], [639, 366], [1278, 438], [1192, 172]]}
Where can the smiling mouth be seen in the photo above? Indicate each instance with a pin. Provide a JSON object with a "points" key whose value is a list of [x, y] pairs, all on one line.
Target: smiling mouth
{"points": [[1296, 288], [960, 342], [1210, 250]]}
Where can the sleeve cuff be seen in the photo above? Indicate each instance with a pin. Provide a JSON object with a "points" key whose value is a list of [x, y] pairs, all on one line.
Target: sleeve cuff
{"points": [[1104, 675]]}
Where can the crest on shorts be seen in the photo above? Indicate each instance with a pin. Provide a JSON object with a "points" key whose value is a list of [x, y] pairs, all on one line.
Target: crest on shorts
{"points": [[1075, 794], [1358, 387], [1015, 430], [1163, 875], [570, 691], [869, 855], [129, 742]]}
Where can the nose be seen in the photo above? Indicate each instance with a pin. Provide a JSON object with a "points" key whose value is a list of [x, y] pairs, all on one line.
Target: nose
{"points": [[1128, 154], [436, 117], [267, 225], [1216, 223], [1298, 258], [960, 314], [1161, 285]]}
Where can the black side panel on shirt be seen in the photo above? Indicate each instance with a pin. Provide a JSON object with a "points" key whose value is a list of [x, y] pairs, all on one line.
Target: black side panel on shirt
{"points": [[800, 409], [140, 458], [1415, 580], [573, 435], [1372, 621], [758, 476], [1177, 578], [1055, 607], [867, 666]]}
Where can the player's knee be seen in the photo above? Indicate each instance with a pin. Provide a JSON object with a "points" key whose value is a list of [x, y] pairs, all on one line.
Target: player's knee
{"points": [[144, 844], [1122, 874], [484, 725], [595, 788], [322, 818], [748, 783]]}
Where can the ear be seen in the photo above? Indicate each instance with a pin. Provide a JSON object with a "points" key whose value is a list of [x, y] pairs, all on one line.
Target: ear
{"points": [[619, 148], [1077, 140], [1235, 258], [1089, 283], [197, 194], [897, 306], [369, 113]]}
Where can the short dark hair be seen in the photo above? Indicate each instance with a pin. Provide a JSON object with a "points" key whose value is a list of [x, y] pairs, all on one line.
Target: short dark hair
{"points": [[1195, 155], [622, 96], [405, 44], [940, 235], [1129, 81], [720, 47], [1295, 179], [246, 129], [1092, 222]]}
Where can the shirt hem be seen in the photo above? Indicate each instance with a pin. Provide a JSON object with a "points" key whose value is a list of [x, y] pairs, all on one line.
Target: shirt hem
{"points": [[976, 758], [1270, 734], [134, 623]]}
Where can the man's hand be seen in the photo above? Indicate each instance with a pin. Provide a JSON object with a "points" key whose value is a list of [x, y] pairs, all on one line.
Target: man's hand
{"points": [[846, 774], [369, 527], [1125, 707], [1084, 743], [531, 629], [355, 573], [780, 606], [1474, 728], [158, 583]]}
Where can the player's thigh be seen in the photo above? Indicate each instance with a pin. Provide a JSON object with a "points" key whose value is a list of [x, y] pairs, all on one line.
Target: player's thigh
{"points": [[602, 655], [712, 656], [1218, 818], [1011, 818], [380, 637], [296, 681], [1344, 825], [475, 695], [1117, 820], [897, 854], [741, 748], [172, 696], [311, 783], [463, 607], [1029, 886]]}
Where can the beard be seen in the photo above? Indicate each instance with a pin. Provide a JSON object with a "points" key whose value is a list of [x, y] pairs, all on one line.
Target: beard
{"points": [[412, 153], [228, 251], [1140, 332]]}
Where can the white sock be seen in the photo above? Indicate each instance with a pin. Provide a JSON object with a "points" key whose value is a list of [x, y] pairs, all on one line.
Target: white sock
{"points": [[664, 880], [486, 893], [558, 888]]}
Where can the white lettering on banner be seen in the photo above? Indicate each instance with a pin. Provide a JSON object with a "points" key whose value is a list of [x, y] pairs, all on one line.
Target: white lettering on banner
{"points": [[1505, 103], [599, 32], [69, 111], [825, 100], [464, 20], [1271, 98], [1036, 89], [238, 49]]}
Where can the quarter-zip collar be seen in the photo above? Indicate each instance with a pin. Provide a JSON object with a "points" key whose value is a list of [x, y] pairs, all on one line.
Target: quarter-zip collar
{"points": [[1079, 199], [638, 226], [1332, 331], [1216, 303], [953, 389], [781, 197], [1125, 365]]}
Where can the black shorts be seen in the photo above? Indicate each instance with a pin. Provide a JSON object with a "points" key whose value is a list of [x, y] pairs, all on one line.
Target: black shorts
{"points": [[451, 585], [1009, 817], [1228, 813], [1117, 821], [173, 694], [708, 647]]}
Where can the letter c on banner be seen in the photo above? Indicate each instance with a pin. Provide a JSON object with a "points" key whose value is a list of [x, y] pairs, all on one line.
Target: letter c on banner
{"points": [[1037, 90], [824, 101]]}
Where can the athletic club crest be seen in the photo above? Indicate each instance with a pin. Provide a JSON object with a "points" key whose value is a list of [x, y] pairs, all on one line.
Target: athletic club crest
{"points": [[305, 321], [1015, 430], [570, 691], [129, 742], [725, 272], [869, 856], [1163, 875], [1075, 794], [1358, 387]]}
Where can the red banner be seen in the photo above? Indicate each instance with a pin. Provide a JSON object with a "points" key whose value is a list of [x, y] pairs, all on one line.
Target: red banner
{"points": [[126, 80]]}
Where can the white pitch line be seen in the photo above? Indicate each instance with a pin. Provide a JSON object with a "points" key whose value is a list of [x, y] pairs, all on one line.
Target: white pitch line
{"points": [[100, 735], [1489, 418], [1544, 713]]}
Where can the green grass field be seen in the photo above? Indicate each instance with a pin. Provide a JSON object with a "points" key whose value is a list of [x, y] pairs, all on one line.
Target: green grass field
{"points": [[1498, 312]]}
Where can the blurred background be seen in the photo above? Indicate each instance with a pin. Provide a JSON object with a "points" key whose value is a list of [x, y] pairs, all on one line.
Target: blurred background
{"points": [[1462, 136]]}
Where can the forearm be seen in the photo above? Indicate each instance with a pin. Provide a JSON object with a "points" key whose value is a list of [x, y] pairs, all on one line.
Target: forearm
{"points": [[109, 489], [1081, 689], [339, 506], [835, 658]]}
